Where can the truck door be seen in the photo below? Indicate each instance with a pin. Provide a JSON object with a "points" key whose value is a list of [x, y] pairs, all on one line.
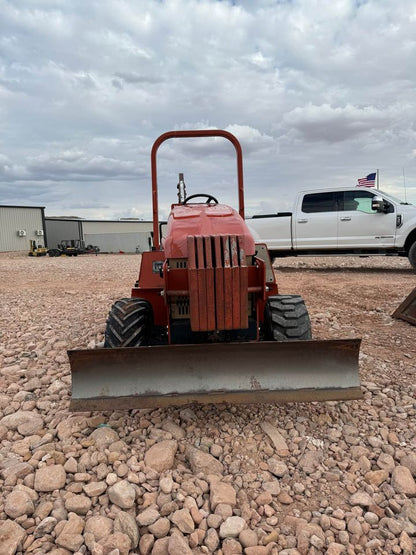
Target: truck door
{"points": [[316, 221], [362, 227]]}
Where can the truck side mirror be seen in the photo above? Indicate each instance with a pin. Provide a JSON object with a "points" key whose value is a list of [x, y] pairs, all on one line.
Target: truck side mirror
{"points": [[377, 204]]}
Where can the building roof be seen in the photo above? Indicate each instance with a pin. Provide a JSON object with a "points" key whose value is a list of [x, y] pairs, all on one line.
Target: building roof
{"points": [[16, 206]]}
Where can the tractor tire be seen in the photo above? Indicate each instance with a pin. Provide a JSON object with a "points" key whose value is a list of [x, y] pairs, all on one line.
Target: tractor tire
{"points": [[129, 324], [286, 318], [54, 252], [412, 255]]}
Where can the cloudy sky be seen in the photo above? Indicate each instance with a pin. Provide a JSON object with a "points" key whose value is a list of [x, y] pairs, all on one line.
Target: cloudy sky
{"points": [[319, 93]]}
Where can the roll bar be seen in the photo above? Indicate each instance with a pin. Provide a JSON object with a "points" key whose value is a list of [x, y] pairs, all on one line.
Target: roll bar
{"points": [[196, 133]]}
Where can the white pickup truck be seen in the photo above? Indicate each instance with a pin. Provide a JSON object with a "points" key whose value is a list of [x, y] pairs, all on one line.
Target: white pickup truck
{"points": [[347, 221]]}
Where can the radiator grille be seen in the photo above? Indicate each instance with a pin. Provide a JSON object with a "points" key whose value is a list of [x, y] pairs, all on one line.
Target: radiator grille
{"points": [[218, 282]]}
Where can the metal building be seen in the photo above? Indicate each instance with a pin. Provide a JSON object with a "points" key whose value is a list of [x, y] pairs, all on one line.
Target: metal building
{"points": [[19, 225], [108, 235]]}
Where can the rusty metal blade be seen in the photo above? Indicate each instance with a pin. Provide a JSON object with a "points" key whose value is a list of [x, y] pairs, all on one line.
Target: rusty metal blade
{"points": [[407, 309], [159, 376]]}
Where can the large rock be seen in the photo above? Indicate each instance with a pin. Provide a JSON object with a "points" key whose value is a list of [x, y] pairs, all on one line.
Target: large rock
{"points": [[148, 516], [27, 423], [278, 440], [118, 542], [183, 520], [125, 523], [18, 503], [232, 527], [310, 461], [11, 537], [50, 478], [222, 492], [104, 436], [402, 481], [203, 462], [70, 536], [161, 456], [99, 526], [122, 494], [178, 545], [79, 504]]}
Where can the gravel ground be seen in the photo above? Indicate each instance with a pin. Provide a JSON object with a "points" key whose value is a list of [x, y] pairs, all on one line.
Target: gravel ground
{"points": [[335, 477]]}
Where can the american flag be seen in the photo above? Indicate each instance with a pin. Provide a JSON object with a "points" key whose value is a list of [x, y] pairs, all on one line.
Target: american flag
{"points": [[368, 181]]}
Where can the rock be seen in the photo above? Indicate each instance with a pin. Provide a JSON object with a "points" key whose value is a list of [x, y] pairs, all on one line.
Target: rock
{"points": [[278, 468], [409, 461], [146, 543], [231, 546], [46, 526], [103, 437], [212, 540], [79, 504], [94, 489], [99, 526], [277, 439], [161, 547], [122, 494], [361, 498], [406, 544], [118, 542], [166, 484], [18, 503], [148, 516], [176, 431], [125, 523], [402, 481], [222, 493], [160, 528], [248, 538], [161, 456], [183, 520], [272, 487], [304, 533], [310, 461], [203, 462], [11, 537], [258, 550], [50, 478], [70, 534], [27, 423], [376, 477], [178, 545], [232, 527], [335, 549]]}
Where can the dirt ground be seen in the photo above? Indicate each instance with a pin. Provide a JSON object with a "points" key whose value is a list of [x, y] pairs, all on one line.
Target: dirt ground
{"points": [[342, 484]]}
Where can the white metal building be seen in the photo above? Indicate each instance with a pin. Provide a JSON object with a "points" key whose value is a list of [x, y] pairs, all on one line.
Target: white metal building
{"points": [[20, 224], [108, 235]]}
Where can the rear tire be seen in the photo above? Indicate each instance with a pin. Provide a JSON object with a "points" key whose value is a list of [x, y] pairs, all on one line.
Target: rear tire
{"points": [[412, 255], [286, 318], [129, 324]]}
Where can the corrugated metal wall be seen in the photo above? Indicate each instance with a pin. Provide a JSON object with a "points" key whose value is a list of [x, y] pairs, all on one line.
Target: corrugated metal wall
{"points": [[126, 236], [115, 242], [96, 227], [58, 230], [15, 218]]}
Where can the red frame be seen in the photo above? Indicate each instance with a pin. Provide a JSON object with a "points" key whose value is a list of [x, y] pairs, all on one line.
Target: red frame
{"points": [[187, 134]]}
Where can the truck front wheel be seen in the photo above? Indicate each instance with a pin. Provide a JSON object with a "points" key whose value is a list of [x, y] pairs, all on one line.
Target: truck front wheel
{"points": [[412, 255], [286, 318]]}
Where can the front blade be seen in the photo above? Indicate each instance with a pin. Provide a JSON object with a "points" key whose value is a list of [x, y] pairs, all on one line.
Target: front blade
{"points": [[160, 376]]}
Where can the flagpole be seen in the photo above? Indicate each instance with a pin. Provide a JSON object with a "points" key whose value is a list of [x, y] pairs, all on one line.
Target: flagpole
{"points": [[378, 183]]}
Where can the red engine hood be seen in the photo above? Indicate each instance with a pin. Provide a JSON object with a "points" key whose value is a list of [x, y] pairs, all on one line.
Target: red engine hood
{"points": [[203, 219]]}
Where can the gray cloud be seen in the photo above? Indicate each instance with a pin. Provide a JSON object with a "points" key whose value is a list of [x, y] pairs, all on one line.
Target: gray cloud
{"points": [[310, 89]]}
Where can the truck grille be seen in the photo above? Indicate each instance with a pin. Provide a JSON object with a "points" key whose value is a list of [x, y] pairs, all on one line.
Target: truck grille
{"points": [[218, 282]]}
